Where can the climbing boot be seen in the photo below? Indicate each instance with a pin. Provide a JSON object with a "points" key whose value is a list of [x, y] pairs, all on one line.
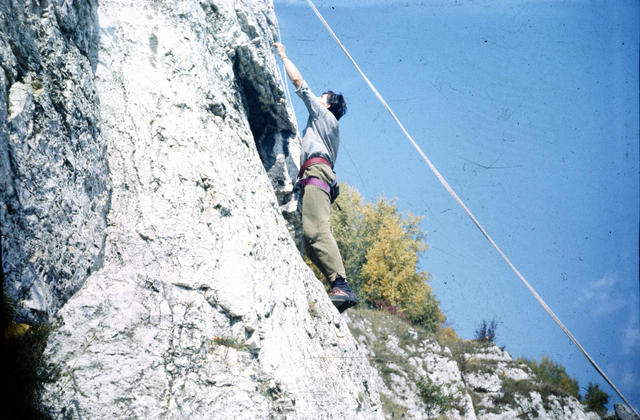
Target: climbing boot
{"points": [[341, 295]]}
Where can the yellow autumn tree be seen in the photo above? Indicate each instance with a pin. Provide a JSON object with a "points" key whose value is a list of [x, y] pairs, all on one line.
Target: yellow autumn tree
{"points": [[392, 257], [381, 250], [390, 274]]}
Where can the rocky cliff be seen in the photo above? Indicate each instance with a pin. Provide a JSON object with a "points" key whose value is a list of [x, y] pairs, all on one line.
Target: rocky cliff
{"points": [[422, 378], [147, 154]]}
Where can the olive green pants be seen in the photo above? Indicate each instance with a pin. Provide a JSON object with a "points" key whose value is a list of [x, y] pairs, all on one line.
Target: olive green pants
{"points": [[320, 245]]}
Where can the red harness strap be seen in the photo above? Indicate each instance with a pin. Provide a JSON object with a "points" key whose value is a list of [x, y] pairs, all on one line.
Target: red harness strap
{"points": [[313, 161]]}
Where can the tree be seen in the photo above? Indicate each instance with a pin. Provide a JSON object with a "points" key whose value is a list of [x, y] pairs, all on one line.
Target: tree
{"points": [[422, 308], [486, 332], [392, 255], [391, 260], [596, 399]]}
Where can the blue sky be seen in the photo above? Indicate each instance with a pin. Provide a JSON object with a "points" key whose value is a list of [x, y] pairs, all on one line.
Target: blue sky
{"points": [[530, 110]]}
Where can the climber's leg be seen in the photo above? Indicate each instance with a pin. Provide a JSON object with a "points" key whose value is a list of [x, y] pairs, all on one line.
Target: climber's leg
{"points": [[320, 244], [316, 209]]}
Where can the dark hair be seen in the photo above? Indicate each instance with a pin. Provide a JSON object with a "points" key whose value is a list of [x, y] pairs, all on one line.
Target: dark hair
{"points": [[337, 104]]}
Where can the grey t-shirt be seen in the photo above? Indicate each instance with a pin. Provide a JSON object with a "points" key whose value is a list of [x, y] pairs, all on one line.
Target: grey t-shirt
{"points": [[321, 135]]}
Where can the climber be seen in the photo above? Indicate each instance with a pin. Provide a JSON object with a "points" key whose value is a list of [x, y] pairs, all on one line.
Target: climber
{"points": [[320, 142]]}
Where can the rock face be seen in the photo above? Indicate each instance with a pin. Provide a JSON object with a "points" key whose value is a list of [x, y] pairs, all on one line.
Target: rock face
{"points": [[147, 158], [54, 175], [407, 357], [420, 378]]}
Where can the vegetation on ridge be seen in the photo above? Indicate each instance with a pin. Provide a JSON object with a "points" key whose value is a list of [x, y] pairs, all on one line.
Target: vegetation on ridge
{"points": [[397, 346], [553, 374]]}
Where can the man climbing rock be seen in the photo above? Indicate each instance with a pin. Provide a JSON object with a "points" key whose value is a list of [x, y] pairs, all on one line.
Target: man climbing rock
{"points": [[320, 141]]}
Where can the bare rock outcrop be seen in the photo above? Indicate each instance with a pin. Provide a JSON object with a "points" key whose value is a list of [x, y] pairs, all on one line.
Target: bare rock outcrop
{"points": [[54, 175], [147, 157], [422, 378]]}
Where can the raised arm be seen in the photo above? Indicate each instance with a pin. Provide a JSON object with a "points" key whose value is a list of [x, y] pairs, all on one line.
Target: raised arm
{"points": [[290, 68]]}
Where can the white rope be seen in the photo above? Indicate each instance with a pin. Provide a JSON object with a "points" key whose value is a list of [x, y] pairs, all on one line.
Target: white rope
{"points": [[286, 89], [466, 209]]}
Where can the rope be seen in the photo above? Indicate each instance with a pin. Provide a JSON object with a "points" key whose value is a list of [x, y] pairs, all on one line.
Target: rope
{"points": [[286, 88], [468, 212]]}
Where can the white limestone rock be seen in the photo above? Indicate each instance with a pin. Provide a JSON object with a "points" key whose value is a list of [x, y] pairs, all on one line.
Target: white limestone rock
{"points": [[472, 381], [516, 373], [487, 382], [143, 220], [406, 358], [54, 176]]}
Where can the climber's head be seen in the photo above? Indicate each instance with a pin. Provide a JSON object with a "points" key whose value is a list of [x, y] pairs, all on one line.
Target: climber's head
{"points": [[335, 103]]}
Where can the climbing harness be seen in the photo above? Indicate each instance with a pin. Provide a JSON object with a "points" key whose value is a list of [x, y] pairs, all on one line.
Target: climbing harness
{"points": [[453, 194], [316, 182], [312, 161], [332, 189]]}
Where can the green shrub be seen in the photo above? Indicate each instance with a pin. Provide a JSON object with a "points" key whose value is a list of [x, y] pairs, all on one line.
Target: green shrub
{"points": [[433, 397], [596, 399], [510, 388], [554, 375]]}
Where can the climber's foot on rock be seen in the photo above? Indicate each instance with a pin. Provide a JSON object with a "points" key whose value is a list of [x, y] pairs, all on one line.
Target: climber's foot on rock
{"points": [[342, 296]]}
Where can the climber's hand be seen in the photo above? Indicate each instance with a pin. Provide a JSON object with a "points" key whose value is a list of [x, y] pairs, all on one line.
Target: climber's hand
{"points": [[282, 50]]}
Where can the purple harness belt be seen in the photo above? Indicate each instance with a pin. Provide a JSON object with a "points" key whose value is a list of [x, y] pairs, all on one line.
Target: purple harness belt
{"points": [[317, 183], [314, 181]]}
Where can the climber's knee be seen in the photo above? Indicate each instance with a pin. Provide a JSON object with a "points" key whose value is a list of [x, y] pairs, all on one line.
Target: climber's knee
{"points": [[311, 232]]}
